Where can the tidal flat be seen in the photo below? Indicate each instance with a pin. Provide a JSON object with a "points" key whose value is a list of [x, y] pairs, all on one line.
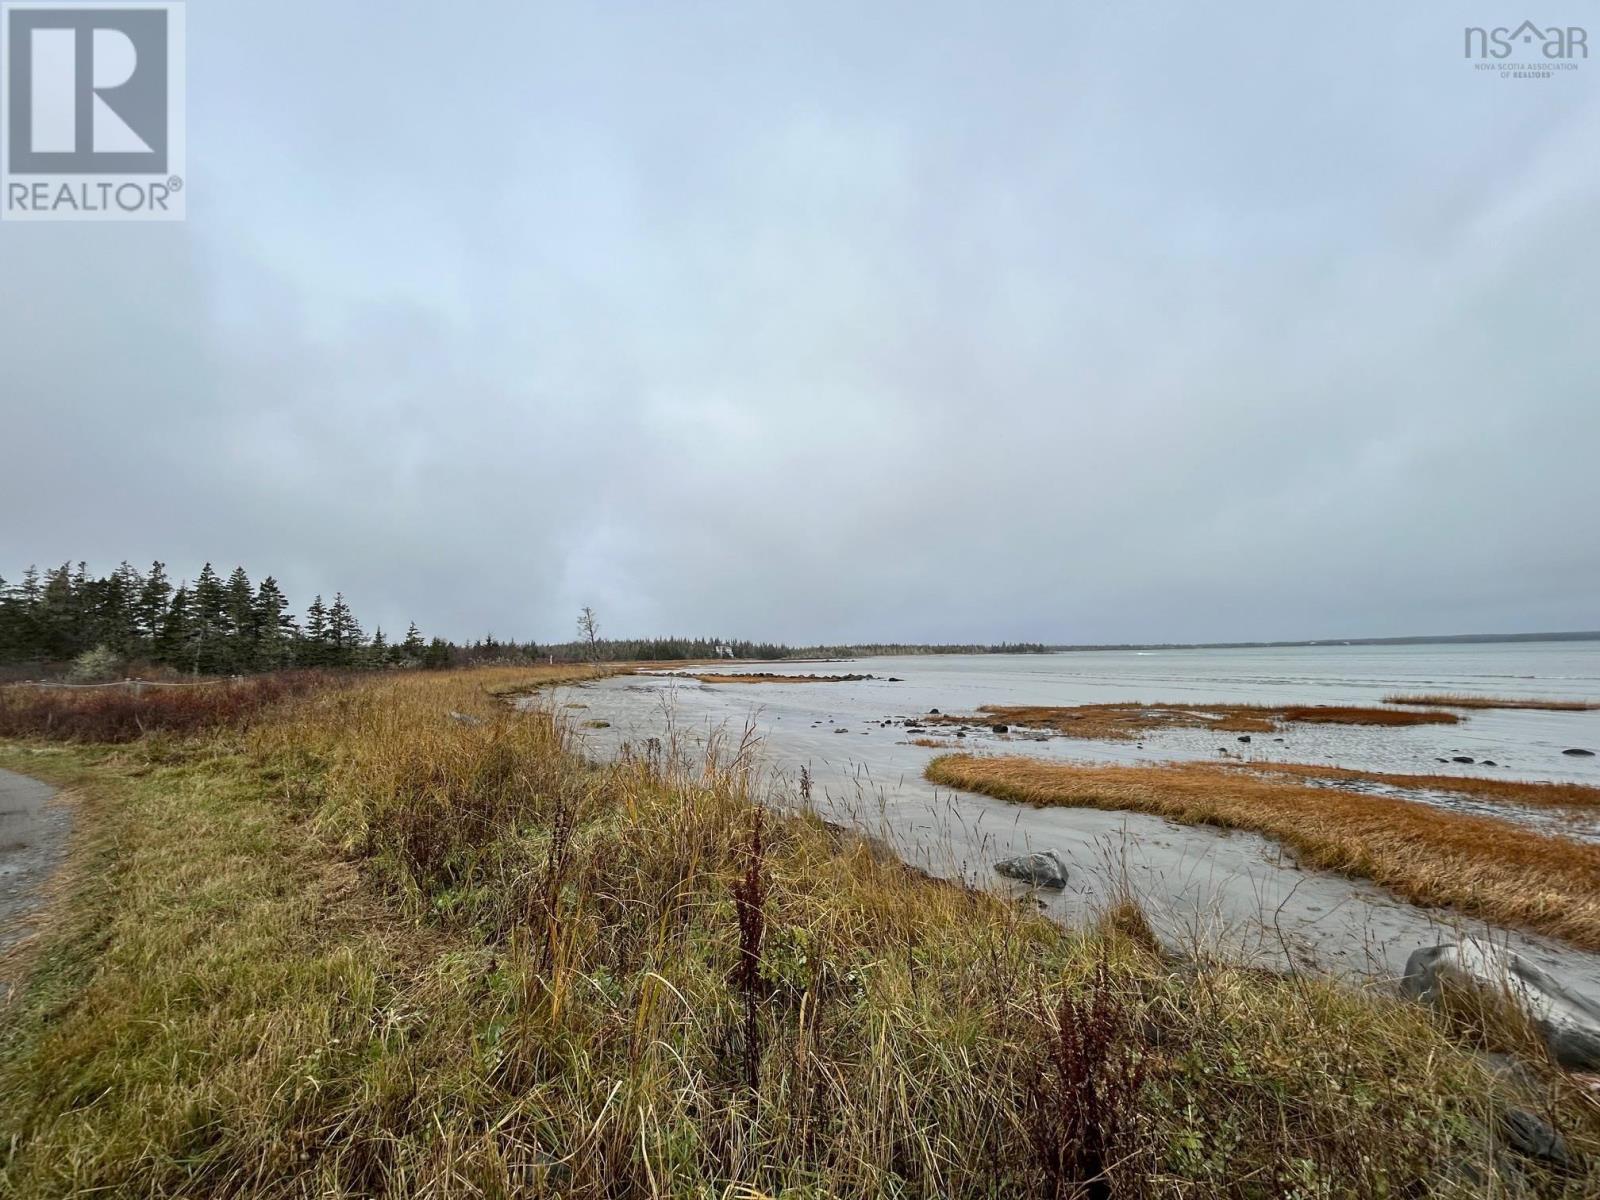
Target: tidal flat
{"points": [[859, 753]]}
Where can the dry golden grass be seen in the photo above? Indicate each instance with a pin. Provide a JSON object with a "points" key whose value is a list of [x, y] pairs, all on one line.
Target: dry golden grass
{"points": [[1129, 721], [1513, 791], [361, 949], [1479, 866], [1345, 714], [1459, 700]]}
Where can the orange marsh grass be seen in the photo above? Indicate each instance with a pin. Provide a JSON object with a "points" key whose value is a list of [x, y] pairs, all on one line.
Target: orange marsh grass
{"points": [[1479, 866], [1127, 721], [1460, 700]]}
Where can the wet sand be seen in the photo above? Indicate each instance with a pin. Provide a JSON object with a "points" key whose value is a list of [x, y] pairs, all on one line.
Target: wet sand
{"points": [[1233, 894]]}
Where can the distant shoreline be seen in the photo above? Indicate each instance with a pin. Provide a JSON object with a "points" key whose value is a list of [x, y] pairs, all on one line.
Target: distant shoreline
{"points": [[1446, 639], [844, 653]]}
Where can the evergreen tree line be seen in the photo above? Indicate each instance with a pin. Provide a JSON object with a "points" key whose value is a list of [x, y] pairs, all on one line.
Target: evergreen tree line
{"points": [[214, 626], [869, 649], [667, 649], [217, 626], [664, 649]]}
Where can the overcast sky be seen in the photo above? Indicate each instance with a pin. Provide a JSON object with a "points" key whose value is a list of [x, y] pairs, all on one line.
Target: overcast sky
{"points": [[1071, 322]]}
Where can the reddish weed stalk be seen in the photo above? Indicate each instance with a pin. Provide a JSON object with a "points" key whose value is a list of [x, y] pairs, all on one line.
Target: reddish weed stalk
{"points": [[749, 902], [1085, 1100]]}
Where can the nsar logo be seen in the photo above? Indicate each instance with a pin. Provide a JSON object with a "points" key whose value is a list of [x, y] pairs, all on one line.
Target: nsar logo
{"points": [[1544, 53], [92, 126]]}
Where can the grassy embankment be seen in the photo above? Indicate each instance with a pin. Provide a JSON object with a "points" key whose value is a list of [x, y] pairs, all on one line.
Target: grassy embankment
{"points": [[1479, 866], [1128, 721], [1458, 700], [355, 947]]}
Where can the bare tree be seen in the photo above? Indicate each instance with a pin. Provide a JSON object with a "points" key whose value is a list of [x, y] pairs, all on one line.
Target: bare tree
{"points": [[589, 631]]}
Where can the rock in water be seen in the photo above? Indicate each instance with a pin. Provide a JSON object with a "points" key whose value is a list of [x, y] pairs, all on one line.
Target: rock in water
{"points": [[1578, 753], [1569, 1023], [1044, 869]]}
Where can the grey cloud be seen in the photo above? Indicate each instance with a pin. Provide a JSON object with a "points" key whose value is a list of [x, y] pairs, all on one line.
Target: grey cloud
{"points": [[823, 322]]}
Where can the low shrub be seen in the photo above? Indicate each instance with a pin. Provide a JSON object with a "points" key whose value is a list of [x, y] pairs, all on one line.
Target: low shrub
{"points": [[123, 712], [95, 666]]}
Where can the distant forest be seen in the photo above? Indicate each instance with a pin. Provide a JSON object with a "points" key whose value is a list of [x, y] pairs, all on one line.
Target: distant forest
{"points": [[132, 621], [664, 649]]}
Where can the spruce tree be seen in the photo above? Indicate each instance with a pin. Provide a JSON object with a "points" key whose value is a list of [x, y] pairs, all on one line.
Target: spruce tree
{"points": [[314, 645], [118, 621], [241, 631], [274, 627], [413, 646], [27, 605], [377, 649], [58, 618], [172, 644], [10, 622], [208, 624], [344, 632], [150, 611]]}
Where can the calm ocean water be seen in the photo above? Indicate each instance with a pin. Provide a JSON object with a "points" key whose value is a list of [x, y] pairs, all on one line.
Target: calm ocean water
{"points": [[1522, 744]]}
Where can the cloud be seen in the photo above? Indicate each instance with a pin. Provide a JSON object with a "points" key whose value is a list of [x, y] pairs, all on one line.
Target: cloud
{"points": [[1139, 324]]}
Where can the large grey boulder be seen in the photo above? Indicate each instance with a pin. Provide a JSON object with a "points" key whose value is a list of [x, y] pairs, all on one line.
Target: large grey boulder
{"points": [[1044, 869], [1569, 1023]]}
